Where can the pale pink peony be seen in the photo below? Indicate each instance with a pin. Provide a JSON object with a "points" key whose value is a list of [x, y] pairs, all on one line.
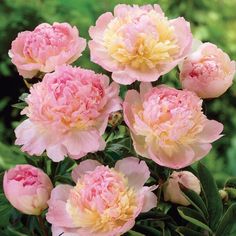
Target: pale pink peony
{"points": [[208, 71], [104, 202], [139, 43], [168, 126], [46, 47], [27, 188], [68, 113], [172, 190]]}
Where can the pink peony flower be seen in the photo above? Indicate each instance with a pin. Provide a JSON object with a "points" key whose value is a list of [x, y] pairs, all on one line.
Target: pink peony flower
{"points": [[27, 188], [139, 43], [67, 113], [208, 71], [172, 190], [168, 126], [104, 202], [46, 47]]}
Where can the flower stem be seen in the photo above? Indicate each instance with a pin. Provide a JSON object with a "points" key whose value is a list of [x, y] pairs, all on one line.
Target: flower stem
{"points": [[42, 226]]}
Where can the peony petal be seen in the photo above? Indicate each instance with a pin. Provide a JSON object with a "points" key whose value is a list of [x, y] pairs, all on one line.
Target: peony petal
{"points": [[211, 131], [83, 167], [96, 32], [83, 142], [150, 200], [28, 134], [57, 213], [135, 170], [56, 152], [144, 88]]}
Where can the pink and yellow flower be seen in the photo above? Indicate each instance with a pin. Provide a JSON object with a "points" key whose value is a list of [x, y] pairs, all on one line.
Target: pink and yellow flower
{"points": [[27, 188], [208, 71], [172, 190], [168, 126], [104, 202], [139, 43], [68, 113], [46, 47]]}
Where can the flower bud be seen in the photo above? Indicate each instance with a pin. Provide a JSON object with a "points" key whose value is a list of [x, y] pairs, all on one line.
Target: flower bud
{"points": [[172, 191], [27, 188]]}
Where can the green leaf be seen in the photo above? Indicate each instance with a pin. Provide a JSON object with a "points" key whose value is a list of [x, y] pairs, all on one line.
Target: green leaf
{"points": [[231, 183], [211, 193], [20, 105], [147, 230], [133, 233], [184, 231], [194, 217], [10, 156], [63, 180], [5, 210], [227, 222], [23, 96], [196, 201]]}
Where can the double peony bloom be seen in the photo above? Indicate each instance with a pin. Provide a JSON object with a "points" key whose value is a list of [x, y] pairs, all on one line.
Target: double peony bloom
{"points": [[68, 110], [45, 48], [105, 201], [139, 43], [168, 126], [68, 113]]}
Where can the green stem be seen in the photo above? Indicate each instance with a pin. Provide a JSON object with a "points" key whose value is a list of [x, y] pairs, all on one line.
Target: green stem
{"points": [[42, 226]]}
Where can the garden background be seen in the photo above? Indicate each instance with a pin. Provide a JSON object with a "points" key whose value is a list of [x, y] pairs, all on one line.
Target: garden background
{"points": [[211, 20]]}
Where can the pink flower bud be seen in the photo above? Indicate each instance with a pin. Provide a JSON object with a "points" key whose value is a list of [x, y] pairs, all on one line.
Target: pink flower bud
{"points": [[27, 188], [208, 71], [172, 190]]}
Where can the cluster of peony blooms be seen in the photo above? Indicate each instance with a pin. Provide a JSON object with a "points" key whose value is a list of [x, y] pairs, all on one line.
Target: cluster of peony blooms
{"points": [[68, 111]]}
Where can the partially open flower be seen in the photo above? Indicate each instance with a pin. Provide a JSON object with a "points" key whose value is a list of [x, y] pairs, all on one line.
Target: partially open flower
{"points": [[104, 202], [139, 43], [168, 126], [46, 47], [27, 188], [172, 190], [208, 71], [68, 113]]}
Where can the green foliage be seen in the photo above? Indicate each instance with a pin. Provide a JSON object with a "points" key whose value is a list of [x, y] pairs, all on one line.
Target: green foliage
{"points": [[207, 216]]}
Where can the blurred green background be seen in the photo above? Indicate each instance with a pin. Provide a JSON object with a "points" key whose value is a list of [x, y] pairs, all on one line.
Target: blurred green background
{"points": [[211, 20]]}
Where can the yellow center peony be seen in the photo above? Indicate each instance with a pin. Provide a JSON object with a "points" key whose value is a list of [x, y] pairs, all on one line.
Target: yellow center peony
{"points": [[143, 49], [102, 201]]}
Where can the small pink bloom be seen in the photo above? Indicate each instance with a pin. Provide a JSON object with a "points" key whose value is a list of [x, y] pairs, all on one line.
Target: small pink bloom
{"points": [[104, 202], [168, 126], [27, 188], [208, 71], [172, 190], [139, 43], [68, 113], [46, 47]]}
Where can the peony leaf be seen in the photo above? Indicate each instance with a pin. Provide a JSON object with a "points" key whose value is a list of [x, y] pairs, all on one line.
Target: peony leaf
{"points": [[147, 230], [211, 194], [5, 210], [133, 233], [196, 201], [194, 217], [231, 183], [184, 231], [227, 222]]}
